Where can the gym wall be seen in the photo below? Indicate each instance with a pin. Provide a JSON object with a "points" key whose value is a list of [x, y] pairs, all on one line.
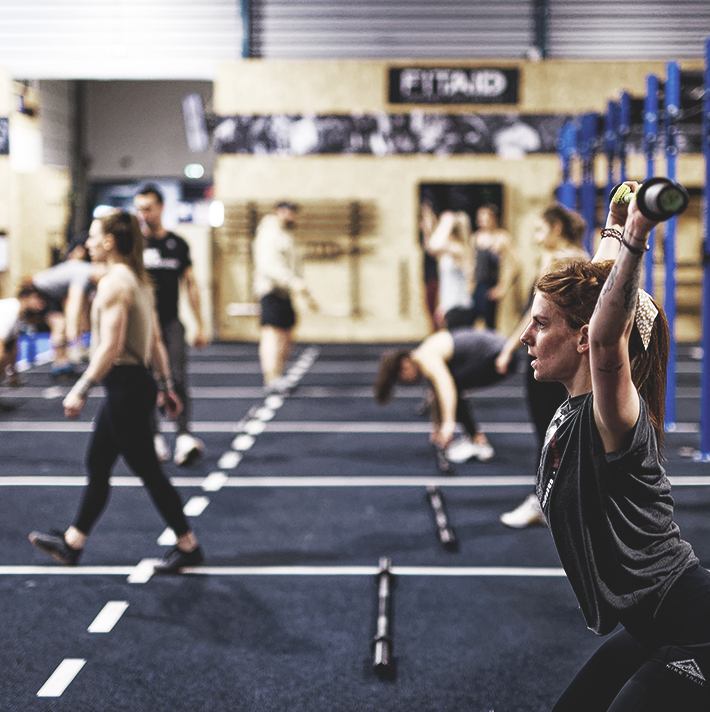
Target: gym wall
{"points": [[376, 294]]}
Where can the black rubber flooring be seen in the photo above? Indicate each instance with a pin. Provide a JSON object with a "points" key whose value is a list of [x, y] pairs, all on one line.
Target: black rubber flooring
{"points": [[294, 503]]}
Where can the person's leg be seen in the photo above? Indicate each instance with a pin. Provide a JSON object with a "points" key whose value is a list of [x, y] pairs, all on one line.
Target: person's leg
{"points": [[174, 338], [491, 313], [101, 456], [131, 429], [670, 679], [57, 330], [8, 356], [603, 676], [475, 443], [274, 351], [544, 398]]}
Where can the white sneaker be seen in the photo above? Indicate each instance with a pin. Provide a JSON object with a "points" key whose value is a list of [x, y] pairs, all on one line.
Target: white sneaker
{"points": [[187, 448], [161, 448], [525, 515], [463, 450], [483, 452]]}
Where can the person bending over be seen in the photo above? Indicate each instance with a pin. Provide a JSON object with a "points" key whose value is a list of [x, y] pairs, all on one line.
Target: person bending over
{"points": [[125, 341], [452, 362], [67, 286], [603, 489]]}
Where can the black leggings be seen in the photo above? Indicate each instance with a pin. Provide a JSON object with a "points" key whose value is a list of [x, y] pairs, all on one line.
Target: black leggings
{"points": [[486, 375], [122, 427], [659, 664]]}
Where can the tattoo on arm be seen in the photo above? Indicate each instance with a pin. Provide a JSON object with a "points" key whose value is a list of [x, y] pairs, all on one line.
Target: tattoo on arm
{"points": [[610, 367]]}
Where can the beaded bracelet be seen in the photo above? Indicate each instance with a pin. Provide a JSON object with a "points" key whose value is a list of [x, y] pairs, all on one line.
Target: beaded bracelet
{"points": [[611, 232]]}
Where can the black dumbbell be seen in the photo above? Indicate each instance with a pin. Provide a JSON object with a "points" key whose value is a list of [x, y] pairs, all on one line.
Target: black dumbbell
{"points": [[658, 198]]}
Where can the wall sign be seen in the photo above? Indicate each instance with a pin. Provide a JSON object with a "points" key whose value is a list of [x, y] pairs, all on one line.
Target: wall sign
{"points": [[453, 85]]}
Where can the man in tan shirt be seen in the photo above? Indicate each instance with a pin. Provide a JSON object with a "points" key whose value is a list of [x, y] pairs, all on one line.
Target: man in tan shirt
{"points": [[276, 278]]}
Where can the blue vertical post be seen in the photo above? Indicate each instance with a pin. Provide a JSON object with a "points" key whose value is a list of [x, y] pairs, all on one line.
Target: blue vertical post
{"points": [[650, 144], [567, 149], [622, 133], [670, 115], [611, 123], [588, 189], [704, 452]]}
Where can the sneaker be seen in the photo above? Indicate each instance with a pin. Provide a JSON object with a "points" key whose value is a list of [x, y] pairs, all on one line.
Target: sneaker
{"points": [[525, 515], [177, 559], [463, 450], [187, 448], [161, 448], [483, 452], [55, 545]]}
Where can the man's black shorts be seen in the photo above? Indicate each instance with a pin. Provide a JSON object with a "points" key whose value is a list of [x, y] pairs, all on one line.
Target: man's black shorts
{"points": [[277, 310]]}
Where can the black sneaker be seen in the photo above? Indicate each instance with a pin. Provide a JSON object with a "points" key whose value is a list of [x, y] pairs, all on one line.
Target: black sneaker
{"points": [[55, 545], [177, 559]]}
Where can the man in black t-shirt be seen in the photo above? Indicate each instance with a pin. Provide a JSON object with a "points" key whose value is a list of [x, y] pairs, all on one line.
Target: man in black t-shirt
{"points": [[167, 259]]}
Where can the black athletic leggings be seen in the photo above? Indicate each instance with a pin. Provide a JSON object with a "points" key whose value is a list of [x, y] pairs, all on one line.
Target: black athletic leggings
{"points": [[122, 427], [486, 375], [659, 664]]}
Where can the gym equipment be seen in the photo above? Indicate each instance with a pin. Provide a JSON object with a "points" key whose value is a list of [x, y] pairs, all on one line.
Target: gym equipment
{"points": [[567, 145], [659, 199], [650, 143], [670, 116], [588, 133], [445, 531], [443, 465], [704, 451], [382, 644]]}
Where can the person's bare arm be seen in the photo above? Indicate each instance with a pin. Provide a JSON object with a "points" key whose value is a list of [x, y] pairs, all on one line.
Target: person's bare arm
{"points": [[431, 357], [616, 401], [616, 218], [72, 311], [510, 268], [193, 296], [114, 318]]}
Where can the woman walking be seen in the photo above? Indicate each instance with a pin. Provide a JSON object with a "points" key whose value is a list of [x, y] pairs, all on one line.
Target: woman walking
{"points": [[126, 340]]}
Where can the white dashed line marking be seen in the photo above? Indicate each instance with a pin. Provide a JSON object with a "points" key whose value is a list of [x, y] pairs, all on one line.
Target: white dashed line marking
{"points": [[229, 460], [214, 482], [61, 677], [108, 617], [143, 572], [195, 506]]}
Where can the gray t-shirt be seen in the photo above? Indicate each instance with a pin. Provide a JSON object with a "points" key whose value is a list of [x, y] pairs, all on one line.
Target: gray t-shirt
{"points": [[55, 281], [475, 351], [610, 514]]}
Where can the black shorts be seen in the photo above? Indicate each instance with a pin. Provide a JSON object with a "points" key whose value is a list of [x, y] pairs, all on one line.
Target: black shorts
{"points": [[277, 310]]}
